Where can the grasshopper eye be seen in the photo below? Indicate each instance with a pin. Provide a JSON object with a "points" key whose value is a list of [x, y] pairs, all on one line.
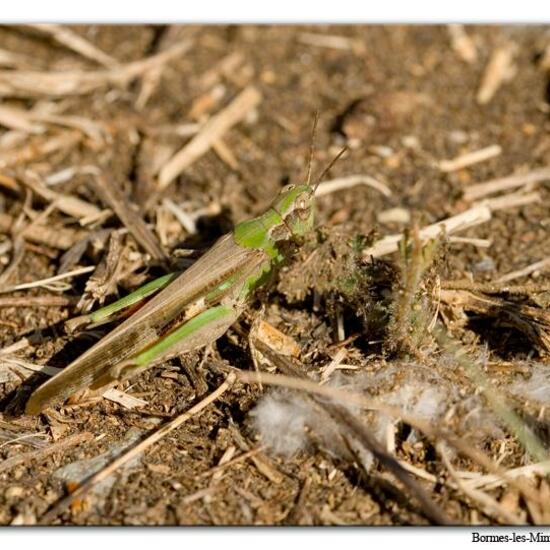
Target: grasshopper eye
{"points": [[287, 188]]}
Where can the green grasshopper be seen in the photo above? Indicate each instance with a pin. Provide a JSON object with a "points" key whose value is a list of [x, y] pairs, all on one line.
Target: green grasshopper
{"points": [[193, 309]]}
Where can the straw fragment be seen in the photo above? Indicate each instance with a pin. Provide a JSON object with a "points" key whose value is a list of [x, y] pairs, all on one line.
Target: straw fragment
{"points": [[462, 44], [499, 69], [76, 43], [468, 159], [70, 83]]}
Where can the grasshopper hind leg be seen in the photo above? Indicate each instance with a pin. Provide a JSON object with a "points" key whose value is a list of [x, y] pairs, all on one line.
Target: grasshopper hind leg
{"points": [[113, 311], [201, 330]]}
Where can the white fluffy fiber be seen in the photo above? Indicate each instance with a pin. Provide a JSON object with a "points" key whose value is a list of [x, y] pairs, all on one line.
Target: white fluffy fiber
{"points": [[281, 420], [537, 387], [416, 398]]}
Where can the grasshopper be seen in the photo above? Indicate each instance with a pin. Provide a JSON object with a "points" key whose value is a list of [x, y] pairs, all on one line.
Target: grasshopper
{"points": [[190, 310]]}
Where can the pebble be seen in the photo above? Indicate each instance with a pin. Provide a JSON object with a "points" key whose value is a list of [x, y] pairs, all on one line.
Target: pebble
{"points": [[394, 215], [15, 491], [487, 264]]}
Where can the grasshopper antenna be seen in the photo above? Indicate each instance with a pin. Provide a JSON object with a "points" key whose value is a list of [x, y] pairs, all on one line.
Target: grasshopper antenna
{"points": [[330, 165], [312, 146]]}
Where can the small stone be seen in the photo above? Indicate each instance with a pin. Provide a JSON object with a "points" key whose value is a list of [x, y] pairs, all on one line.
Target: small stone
{"points": [[13, 492], [268, 76], [410, 142], [485, 265], [25, 518], [394, 215], [458, 136], [159, 468], [382, 151]]}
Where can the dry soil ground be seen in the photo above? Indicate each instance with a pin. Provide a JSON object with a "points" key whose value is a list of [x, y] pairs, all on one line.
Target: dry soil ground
{"points": [[444, 341]]}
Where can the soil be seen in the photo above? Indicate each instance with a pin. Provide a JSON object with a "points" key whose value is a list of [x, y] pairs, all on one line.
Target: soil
{"points": [[401, 99]]}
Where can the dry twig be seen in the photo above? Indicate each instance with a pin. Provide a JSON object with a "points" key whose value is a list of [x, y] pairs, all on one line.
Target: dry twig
{"points": [[462, 44], [76, 43], [512, 200], [338, 184], [460, 222], [37, 148], [210, 133], [38, 301], [468, 159], [541, 265], [67, 83], [61, 238], [15, 119], [223, 466], [226, 66], [62, 445], [496, 287], [492, 481], [480, 190], [48, 280], [499, 70], [326, 41], [68, 204], [487, 504], [12, 60]]}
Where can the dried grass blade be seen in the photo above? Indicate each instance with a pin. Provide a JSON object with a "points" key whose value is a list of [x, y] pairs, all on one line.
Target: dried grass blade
{"points": [[112, 197], [541, 265]]}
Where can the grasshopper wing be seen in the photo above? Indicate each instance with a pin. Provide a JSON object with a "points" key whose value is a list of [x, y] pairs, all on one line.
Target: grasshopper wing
{"points": [[142, 329]]}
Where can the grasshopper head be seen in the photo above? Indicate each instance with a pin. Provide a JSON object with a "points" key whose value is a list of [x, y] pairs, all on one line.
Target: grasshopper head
{"points": [[295, 205]]}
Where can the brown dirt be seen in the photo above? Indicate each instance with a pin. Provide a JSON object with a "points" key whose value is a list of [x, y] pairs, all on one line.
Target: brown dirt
{"points": [[402, 99]]}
